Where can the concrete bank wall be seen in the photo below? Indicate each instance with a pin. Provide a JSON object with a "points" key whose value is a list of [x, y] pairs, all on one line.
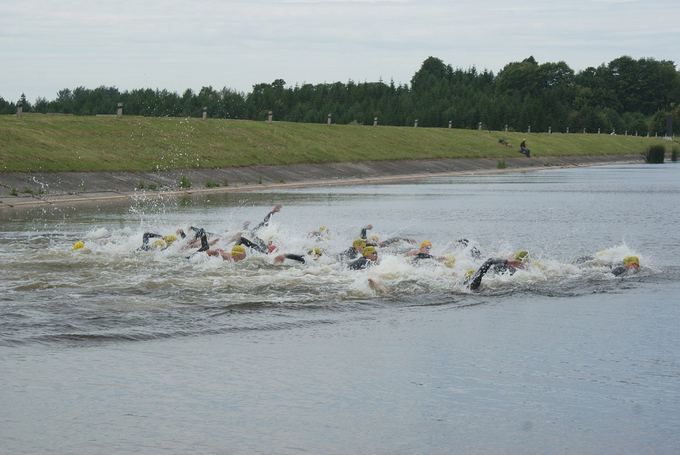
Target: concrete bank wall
{"points": [[17, 189]]}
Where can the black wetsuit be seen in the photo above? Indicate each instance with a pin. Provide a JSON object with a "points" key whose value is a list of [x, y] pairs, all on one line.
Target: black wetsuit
{"points": [[384, 243], [145, 240], [295, 257], [420, 256], [360, 264], [617, 271], [257, 243], [474, 251], [499, 266], [349, 254]]}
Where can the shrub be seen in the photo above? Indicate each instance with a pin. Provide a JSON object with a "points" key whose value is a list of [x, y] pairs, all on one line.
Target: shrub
{"points": [[184, 182], [655, 154], [501, 164], [211, 184], [13, 192], [140, 185], [674, 153], [225, 182]]}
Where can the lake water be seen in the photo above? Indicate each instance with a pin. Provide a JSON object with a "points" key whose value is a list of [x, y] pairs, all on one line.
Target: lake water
{"points": [[113, 350]]}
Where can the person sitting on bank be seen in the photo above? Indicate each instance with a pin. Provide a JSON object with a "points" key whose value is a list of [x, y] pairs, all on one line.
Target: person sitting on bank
{"points": [[523, 149], [369, 258]]}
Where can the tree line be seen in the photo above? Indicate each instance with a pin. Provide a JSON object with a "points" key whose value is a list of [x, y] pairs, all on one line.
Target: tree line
{"points": [[624, 94]]}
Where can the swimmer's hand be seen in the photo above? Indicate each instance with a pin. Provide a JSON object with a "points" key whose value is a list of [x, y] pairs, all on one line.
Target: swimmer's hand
{"points": [[377, 286]]}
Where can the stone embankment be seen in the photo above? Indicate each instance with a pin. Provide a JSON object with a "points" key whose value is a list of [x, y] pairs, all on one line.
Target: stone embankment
{"points": [[19, 190]]}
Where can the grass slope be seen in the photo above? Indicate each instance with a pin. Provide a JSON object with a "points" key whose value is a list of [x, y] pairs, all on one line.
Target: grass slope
{"points": [[54, 143]]}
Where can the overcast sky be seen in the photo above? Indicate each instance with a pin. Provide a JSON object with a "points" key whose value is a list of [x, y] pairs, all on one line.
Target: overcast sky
{"points": [[48, 45]]}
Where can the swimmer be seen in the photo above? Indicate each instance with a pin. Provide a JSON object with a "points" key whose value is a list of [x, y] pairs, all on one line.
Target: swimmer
{"points": [[162, 242], [630, 264], [423, 252], [79, 246], [474, 251], [237, 253], [368, 259], [255, 242], [314, 253], [354, 251], [499, 265], [321, 234], [374, 240]]}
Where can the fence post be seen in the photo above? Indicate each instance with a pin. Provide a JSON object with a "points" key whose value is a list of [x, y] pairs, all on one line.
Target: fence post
{"points": [[415, 124], [270, 116], [119, 110], [479, 126], [205, 113], [550, 130], [375, 121], [567, 130], [584, 131], [598, 131], [450, 124], [529, 129], [330, 119], [20, 108]]}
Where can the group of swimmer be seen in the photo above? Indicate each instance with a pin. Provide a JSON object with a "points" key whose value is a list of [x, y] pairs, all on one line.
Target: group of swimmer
{"points": [[361, 255]]}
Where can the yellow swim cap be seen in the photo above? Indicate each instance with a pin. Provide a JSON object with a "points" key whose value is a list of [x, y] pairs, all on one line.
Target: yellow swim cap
{"points": [[449, 260], [169, 238], [359, 243], [316, 251], [369, 250], [374, 238], [426, 244], [522, 255], [323, 229], [469, 273], [237, 250], [631, 261], [78, 245], [159, 243]]}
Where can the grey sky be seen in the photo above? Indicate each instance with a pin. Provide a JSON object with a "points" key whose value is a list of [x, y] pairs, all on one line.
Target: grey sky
{"points": [[47, 45]]}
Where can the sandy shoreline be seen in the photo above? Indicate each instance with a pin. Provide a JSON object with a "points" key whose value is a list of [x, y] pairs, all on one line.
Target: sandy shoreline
{"points": [[68, 188]]}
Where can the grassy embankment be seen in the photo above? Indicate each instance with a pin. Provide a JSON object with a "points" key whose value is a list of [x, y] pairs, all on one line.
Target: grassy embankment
{"points": [[56, 143]]}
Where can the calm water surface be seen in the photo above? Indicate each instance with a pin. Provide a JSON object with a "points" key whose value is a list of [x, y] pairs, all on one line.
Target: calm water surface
{"points": [[114, 350]]}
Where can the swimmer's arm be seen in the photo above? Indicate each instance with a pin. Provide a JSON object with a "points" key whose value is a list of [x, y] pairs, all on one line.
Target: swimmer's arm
{"points": [[378, 286], [293, 257], [368, 227], [265, 222]]}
